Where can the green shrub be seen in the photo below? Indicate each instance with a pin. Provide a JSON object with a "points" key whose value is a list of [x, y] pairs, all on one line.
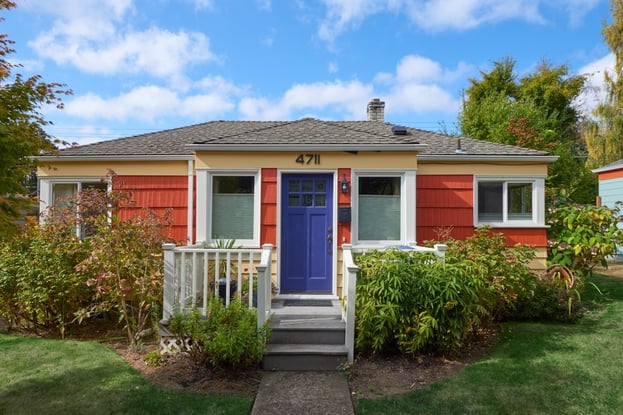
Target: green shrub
{"points": [[582, 237], [39, 286], [508, 277], [407, 301], [228, 338], [550, 302]]}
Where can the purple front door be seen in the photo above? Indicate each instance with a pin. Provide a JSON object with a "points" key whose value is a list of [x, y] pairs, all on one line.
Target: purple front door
{"points": [[306, 233]]}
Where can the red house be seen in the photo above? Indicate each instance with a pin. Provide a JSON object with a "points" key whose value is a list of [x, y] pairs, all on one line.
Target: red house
{"points": [[308, 187]]}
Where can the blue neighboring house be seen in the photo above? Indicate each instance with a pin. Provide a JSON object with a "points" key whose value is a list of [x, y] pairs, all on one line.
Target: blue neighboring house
{"points": [[611, 189]]}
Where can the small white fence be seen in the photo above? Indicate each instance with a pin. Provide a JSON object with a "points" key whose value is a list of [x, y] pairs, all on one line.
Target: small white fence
{"points": [[193, 274]]}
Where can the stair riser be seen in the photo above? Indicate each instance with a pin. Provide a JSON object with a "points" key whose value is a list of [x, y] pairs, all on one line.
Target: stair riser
{"points": [[279, 336], [303, 362]]}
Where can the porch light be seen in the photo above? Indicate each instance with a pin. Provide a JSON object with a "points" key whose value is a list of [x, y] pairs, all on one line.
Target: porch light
{"points": [[344, 185]]}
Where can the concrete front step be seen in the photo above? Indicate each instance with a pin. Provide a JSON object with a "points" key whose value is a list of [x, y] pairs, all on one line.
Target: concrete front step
{"points": [[306, 338], [307, 330], [304, 356]]}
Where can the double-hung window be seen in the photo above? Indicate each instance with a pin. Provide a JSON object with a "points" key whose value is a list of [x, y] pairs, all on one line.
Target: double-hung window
{"points": [[61, 193], [513, 201], [382, 203], [228, 206]]}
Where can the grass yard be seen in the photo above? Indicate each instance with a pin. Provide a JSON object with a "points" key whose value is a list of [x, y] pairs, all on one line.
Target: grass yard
{"points": [[536, 369], [78, 377]]}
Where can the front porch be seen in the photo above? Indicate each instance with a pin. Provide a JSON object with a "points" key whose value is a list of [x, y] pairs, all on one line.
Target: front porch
{"points": [[308, 332]]}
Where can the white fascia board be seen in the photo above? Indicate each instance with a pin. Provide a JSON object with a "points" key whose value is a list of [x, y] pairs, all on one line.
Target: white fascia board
{"points": [[307, 147], [464, 157]]}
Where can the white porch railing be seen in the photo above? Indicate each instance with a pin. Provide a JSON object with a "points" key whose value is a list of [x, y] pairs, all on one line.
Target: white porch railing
{"points": [[349, 287], [193, 274], [349, 292]]}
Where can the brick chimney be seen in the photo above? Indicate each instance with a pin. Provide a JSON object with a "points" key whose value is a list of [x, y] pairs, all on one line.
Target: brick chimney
{"points": [[376, 110]]}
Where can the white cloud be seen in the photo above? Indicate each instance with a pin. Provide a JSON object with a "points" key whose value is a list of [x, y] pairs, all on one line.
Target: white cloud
{"points": [[149, 103], [265, 5], [333, 67], [595, 91], [98, 41], [349, 98], [204, 4], [420, 85], [437, 15], [344, 13], [421, 98]]}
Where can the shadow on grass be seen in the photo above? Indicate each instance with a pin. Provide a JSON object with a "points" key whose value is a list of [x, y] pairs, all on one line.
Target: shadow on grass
{"points": [[535, 368]]}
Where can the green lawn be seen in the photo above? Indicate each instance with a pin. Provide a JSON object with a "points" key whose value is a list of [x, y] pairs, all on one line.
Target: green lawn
{"points": [[76, 377], [536, 369]]}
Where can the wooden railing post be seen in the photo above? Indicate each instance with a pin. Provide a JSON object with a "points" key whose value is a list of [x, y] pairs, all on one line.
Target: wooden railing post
{"points": [[350, 285], [440, 251], [264, 285], [168, 289]]}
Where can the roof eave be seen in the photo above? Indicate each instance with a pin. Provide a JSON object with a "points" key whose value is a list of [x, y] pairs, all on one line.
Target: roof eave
{"points": [[607, 169], [306, 147], [486, 157], [118, 157]]}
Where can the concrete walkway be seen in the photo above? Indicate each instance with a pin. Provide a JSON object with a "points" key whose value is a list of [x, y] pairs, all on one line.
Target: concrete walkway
{"points": [[309, 393]]}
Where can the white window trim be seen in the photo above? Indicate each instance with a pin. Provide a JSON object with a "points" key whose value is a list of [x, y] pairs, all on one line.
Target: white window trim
{"points": [[46, 184], [204, 205], [46, 191], [407, 207], [538, 201]]}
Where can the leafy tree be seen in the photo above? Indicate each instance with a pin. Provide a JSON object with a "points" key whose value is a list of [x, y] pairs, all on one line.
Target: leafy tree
{"points": [[21, 130], [536, 111], [603, 135]]}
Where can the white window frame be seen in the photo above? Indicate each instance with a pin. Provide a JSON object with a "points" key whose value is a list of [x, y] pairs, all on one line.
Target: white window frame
{"points": [[204, 204], [46, 192], [538, 201], [407, 207]]}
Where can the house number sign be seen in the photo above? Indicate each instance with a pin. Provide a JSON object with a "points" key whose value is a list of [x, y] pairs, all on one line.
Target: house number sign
{"points": [[308, 159]]}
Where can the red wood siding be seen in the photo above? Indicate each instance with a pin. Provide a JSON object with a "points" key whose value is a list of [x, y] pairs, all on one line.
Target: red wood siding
{"points": [[612, 174], [447, 201], [525, 236], [343, 200], [444, 201], [268, 222], [158, 193]]}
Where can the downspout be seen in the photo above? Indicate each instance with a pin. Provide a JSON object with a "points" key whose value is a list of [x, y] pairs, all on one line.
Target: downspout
{"points": [[190, 203]]}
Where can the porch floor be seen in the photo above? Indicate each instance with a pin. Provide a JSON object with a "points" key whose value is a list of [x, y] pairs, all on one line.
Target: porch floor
{"points": [[279, 308]]}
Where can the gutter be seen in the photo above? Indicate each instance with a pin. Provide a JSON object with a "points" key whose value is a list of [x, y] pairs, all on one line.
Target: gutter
{"points": [[467, 157]]}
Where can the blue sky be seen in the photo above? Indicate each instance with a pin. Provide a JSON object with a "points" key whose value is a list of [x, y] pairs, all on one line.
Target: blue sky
{"points": [[137, 66]]}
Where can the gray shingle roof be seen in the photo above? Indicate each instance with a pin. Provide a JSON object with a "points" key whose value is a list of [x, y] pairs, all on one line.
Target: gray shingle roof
{"points": [[307, 131], [615, 165]]}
